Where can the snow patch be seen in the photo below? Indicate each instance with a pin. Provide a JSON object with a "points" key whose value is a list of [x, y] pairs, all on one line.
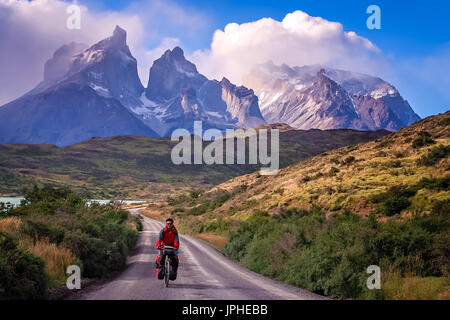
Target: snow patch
{"points": [[149, 109], [100, 90], [214, 114]]}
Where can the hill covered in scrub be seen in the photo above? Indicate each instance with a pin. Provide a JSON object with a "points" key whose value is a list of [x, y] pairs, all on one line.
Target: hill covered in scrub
{"points": [[410, 165], [141, 167], [320, 222]]}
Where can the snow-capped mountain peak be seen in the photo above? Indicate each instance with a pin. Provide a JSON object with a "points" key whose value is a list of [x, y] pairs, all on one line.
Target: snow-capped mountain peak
{"points": [[302, 97]]}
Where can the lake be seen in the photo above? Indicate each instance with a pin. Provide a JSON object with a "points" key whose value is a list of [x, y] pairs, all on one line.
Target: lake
{"points": [[16, 200]]}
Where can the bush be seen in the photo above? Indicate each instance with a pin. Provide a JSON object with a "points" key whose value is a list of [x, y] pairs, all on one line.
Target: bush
{"points": [[434, 155], [335, 160], [306, 179], [395, 199], [348, 160], [22, 275], [333, 171], [139, 225], [330, 256], [98, 235], [424, 139], [394, 164], [39, 230]]}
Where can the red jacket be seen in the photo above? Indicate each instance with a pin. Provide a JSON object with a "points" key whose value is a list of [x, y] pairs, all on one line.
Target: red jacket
{"points": [[168, 237]]}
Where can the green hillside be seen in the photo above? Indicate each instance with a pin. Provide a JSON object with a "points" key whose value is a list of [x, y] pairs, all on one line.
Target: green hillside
{"points": [[140, 167]]}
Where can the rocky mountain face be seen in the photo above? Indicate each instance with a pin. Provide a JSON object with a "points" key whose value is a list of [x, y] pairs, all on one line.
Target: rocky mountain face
{"points": [[177, 94], [323, 98], [82, 96], [97, 92]]}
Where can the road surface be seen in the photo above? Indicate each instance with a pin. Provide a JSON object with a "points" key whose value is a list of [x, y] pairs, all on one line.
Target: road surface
{"points": [[203, 273]]}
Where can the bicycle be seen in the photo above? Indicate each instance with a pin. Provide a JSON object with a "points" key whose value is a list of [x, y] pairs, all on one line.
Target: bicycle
{"points": [[167, 253]]}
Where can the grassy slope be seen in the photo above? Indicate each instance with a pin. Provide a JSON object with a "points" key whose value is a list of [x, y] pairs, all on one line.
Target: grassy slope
{"points": [[364, 171], [140, 167]]}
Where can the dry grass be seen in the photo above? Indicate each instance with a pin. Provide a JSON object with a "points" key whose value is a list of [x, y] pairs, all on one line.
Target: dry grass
{"points": [[216, 240], [10, 225], [57, 259], [155, 212]]}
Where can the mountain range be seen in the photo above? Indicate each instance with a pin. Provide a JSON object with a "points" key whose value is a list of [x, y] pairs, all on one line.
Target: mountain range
{"points": [[96, 92], [318, 97]]}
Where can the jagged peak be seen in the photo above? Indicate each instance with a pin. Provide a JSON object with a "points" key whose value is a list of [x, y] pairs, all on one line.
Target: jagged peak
{"points": [[119, 34], [175, 54], [225, 81]]}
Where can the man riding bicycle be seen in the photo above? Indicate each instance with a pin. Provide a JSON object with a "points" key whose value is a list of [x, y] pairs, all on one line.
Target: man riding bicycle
{"points": [[168, 236]]}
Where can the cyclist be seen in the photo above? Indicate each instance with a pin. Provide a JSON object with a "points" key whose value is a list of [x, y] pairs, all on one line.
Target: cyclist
{"points": [[168, 236]]}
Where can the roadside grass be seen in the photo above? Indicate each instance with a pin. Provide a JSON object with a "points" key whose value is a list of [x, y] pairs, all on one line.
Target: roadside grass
{"points": [[396, 287], [57, 258], [216, 240]]}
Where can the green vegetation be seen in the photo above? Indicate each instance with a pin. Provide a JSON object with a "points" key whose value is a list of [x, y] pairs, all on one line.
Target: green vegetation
{"points": [[434, 155], [319, 223], [333, 171], [54, 228], [22, 275], [394, 200], [424, 139], [140, 167], [330, 256]]}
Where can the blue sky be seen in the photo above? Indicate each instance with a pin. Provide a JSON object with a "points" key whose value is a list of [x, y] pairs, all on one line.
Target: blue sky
{"points": [[417, 24]]}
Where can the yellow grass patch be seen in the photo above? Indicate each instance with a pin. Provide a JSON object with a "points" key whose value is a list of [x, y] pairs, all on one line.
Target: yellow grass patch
{"points": [[56, 258], [10, 225], [218, 241]]}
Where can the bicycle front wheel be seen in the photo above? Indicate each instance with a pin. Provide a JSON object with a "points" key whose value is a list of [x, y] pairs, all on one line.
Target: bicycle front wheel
{"points": [[167, 272]]}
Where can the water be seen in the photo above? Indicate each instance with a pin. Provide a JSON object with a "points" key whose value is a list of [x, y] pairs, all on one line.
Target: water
{"points": [[16, 201], [13, 200]]}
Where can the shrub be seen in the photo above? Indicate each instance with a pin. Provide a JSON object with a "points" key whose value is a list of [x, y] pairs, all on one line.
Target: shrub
{"points": [[100, 236], [424, 139], [348, 160], [434, 183], [139, 225], [333, 171], [306, 179], [394, 200], [330, 256], [335, 160], [394, 164], [280, 191], [22, 275], [441, 207], [434, 155], [39, 230]]}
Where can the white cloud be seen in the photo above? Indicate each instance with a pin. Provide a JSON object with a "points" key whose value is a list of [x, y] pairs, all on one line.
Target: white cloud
{"points": [[298, 39]]}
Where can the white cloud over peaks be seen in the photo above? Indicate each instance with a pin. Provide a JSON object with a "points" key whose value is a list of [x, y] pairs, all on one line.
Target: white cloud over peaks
{"points": [[298, 39]]}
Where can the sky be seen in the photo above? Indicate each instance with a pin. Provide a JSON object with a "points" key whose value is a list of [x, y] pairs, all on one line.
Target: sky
{"points": [[224, 37]]}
